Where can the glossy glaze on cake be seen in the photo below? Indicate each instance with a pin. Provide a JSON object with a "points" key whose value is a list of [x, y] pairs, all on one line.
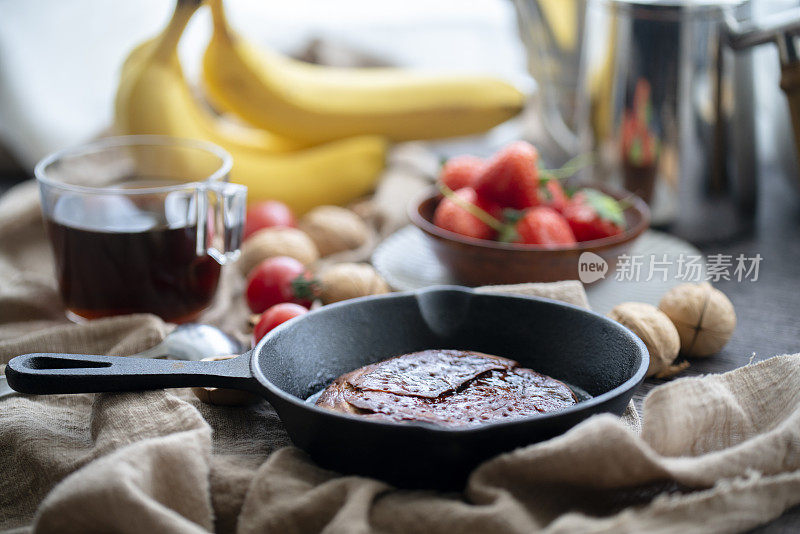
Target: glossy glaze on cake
{"points": [[446, 387]]}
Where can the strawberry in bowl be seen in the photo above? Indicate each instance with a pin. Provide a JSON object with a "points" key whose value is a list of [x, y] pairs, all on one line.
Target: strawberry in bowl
{"points": [[507, 221]]}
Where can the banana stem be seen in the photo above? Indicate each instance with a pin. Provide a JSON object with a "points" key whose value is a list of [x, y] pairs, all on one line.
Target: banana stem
{"points": [[221, 27], [167, 42]]}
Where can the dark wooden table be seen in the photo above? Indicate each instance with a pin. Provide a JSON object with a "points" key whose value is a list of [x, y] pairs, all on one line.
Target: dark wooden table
{"points": [[768, 309]]}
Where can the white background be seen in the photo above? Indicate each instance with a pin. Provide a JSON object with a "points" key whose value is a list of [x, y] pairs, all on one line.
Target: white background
{"points": [[59, 59]]}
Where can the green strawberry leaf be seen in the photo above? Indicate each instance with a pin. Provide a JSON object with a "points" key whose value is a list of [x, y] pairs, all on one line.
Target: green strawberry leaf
{"points": [[567, 170], [512, 216], [606, 207], [508, 234]]}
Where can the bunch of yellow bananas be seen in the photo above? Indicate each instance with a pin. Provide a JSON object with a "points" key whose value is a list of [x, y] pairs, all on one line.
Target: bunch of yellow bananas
{"points": [[319, 134]]}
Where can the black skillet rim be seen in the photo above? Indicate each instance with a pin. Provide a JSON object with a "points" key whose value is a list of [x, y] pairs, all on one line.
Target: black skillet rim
{"points": [[628, 385]]}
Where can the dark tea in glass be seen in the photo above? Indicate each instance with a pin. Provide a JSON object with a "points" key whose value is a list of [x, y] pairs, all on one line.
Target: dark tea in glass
{"points": [[112, 273], [136, 242]]}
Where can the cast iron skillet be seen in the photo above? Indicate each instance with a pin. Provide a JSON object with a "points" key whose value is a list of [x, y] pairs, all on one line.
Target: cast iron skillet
{"points": [[302, 356]]}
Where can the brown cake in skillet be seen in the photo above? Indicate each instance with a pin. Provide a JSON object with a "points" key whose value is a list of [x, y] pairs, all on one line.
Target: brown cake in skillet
{"points": [[446, 387]]}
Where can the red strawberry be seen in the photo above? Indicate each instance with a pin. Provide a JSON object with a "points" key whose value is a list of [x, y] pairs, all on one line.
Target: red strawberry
{"points": [[492, 208], [544, 226], [511, 178], [450, 216], [461, 171], [593, 215], [552, 194]]}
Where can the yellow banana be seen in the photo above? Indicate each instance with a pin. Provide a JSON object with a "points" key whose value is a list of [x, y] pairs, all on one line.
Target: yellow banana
{"points": [[154, 98], [320, 103]]}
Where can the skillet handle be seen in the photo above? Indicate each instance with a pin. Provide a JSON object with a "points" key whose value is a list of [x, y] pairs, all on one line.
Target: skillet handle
{"points": [[81, 373]]}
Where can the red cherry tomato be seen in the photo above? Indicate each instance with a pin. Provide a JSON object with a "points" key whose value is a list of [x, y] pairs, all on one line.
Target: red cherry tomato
{"points": [[276, 280], [266, 214], [278, 314]]}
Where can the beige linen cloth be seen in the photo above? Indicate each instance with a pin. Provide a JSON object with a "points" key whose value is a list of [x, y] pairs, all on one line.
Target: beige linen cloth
{"points": [[714, 454]]}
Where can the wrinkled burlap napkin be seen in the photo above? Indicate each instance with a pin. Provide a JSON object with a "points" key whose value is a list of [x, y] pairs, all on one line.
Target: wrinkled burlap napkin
{"points": [[717, 453]]}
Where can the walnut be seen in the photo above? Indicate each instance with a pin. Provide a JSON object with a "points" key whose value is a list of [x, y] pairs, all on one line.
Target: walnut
{"points": [[703, 315], [277, 241], [334, 229], [656, 331], [344, 281]]}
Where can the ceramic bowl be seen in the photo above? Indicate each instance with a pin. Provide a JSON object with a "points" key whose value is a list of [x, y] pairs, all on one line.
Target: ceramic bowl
{"points": [[477, 262]]}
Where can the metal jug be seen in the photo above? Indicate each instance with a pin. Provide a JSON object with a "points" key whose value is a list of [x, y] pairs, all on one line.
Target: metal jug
{"points": [[657, 91]]}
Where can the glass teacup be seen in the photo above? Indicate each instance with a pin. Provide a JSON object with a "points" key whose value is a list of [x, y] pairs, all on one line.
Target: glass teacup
{"points": [[140, 224]]}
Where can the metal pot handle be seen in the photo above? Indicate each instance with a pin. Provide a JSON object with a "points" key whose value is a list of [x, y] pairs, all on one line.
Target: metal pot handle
{"points": [[779, 28], [82, 373]]}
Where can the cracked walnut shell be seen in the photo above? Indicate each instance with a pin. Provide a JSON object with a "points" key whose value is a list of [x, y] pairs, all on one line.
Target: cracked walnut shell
{"points": [[656, 331], [276, 241], [343, 281], [334, 229], [703, 315]]}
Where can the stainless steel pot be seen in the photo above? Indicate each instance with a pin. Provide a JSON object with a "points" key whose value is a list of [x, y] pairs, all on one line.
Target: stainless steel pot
{"points": [[657, 90]]}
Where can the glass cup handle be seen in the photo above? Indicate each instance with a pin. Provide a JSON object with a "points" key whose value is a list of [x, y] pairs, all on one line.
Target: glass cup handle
{"points": [[220, 220]]}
